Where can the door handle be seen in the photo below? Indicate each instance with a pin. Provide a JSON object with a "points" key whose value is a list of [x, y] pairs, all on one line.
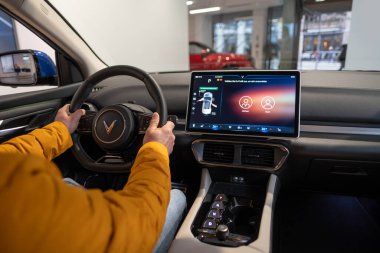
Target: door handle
{"points": [[13, 130]]}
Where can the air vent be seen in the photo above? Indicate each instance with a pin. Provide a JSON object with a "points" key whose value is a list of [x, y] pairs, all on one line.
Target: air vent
{"points": [[256, 155], [218, 152]]}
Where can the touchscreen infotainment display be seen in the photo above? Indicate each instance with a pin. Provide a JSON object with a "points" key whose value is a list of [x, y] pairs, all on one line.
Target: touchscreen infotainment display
{"points": [[263, 103]]}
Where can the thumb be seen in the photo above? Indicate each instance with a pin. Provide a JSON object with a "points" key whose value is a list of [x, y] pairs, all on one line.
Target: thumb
{"points": [[77, 114], [154, 121]]}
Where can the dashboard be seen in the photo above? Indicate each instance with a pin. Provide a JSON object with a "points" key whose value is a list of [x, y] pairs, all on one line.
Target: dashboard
{"points": [[339, 124]]}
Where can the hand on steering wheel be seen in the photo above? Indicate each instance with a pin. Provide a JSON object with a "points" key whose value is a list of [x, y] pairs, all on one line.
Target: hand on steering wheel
{"points": [[163, 135], [70, 120]]}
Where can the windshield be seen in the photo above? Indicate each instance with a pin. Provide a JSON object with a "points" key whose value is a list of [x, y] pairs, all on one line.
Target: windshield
{"points": [[178, 35]]}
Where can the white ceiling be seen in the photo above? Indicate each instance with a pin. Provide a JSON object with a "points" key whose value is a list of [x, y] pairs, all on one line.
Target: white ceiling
{"points": [[235, 5]]}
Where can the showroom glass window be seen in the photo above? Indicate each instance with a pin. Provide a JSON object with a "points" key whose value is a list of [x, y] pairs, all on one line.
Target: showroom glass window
{"points": [[285, 34]]}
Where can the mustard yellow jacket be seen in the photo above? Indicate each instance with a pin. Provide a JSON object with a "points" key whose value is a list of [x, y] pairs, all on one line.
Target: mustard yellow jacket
{"points": [[40, 213]]}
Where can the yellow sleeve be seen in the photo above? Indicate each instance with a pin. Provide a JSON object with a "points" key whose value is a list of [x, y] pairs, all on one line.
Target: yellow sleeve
{"points": [[46, 215], [48, 142]]}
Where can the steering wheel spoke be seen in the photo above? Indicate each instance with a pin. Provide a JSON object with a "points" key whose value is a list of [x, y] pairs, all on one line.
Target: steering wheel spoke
{"points": [[143, 120], [85, 123], [111, 159]]}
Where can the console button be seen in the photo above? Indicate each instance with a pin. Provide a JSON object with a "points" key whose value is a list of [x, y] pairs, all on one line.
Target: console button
{"points": [[218, 205], [221, 197], [209, 223], [214, 213]]}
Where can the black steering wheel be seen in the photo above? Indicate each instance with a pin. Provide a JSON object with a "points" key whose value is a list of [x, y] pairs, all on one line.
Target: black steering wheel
{"points": [[115, 128]]}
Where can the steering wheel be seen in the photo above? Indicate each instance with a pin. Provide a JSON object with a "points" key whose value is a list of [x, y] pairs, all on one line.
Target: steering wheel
{"points": [[115, 128]]}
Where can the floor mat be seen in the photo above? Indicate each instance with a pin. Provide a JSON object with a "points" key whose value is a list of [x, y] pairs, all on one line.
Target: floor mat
{"points": [[315, 222]]}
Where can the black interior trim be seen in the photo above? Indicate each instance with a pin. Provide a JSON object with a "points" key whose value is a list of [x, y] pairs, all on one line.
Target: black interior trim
{"points": [[13, 100]]}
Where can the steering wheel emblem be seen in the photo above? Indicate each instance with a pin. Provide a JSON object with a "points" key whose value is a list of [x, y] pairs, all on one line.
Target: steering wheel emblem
{"points": [[109, 128]]}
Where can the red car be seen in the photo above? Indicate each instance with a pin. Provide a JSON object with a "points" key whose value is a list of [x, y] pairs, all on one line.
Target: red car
{"points": [[203, 57]]}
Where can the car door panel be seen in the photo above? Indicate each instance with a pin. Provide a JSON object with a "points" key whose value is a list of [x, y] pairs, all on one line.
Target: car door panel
{"points": [[21, 113], [14, 100], [22, 119]]}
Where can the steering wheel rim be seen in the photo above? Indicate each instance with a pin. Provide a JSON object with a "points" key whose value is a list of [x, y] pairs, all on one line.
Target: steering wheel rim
{"points": [[82, 94], [153, 88]]}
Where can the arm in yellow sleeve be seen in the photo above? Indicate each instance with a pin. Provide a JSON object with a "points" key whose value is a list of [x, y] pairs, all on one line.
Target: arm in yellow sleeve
{"points": [[47, 215], [48, 142]]}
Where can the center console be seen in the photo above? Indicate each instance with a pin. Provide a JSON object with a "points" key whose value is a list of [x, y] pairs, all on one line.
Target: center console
{"points": [[238, 220], [234, 113]]}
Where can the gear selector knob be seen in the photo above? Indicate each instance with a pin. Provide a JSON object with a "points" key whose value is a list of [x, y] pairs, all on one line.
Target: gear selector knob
{"points": [[222, 232]]}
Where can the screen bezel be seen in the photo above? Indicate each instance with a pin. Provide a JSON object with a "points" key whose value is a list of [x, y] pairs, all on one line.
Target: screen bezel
{"points": [[245, 133]]}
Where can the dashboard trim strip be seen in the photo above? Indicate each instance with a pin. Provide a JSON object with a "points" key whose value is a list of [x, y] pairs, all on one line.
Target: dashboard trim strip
{"points": [[340, 130]]}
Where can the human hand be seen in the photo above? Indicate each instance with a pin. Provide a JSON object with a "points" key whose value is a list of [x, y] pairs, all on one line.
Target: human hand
{"points": [[163, 135], [71, 120]]}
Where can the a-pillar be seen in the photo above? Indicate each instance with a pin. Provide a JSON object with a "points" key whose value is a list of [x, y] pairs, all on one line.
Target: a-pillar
{"points": [[259, 32], [200, 28]]}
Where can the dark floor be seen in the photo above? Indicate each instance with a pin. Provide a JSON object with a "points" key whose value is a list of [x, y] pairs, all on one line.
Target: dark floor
{"points": [[317, 222]]}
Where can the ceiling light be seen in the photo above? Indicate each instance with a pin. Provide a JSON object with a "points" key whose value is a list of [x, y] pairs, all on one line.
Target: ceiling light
{"points": [[320, 1], [197, 11], [189, 2]]}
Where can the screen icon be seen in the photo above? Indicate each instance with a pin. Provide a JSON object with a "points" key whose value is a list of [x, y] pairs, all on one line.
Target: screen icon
{"points": [[268, 103], [215, 127], [207, 100], [245, 102]]}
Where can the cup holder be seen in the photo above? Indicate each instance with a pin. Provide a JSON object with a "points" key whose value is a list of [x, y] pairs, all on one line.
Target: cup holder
{"points": [[241, 216]]}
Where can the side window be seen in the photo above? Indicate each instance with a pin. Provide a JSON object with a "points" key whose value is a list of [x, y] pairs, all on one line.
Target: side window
{"points": [[7, 38], [27, 63], [25, 39]]}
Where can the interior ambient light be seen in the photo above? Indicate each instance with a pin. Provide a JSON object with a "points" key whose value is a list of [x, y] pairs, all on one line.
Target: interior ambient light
{"points": [[189, 2], [197, 11], [320, 0]]}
